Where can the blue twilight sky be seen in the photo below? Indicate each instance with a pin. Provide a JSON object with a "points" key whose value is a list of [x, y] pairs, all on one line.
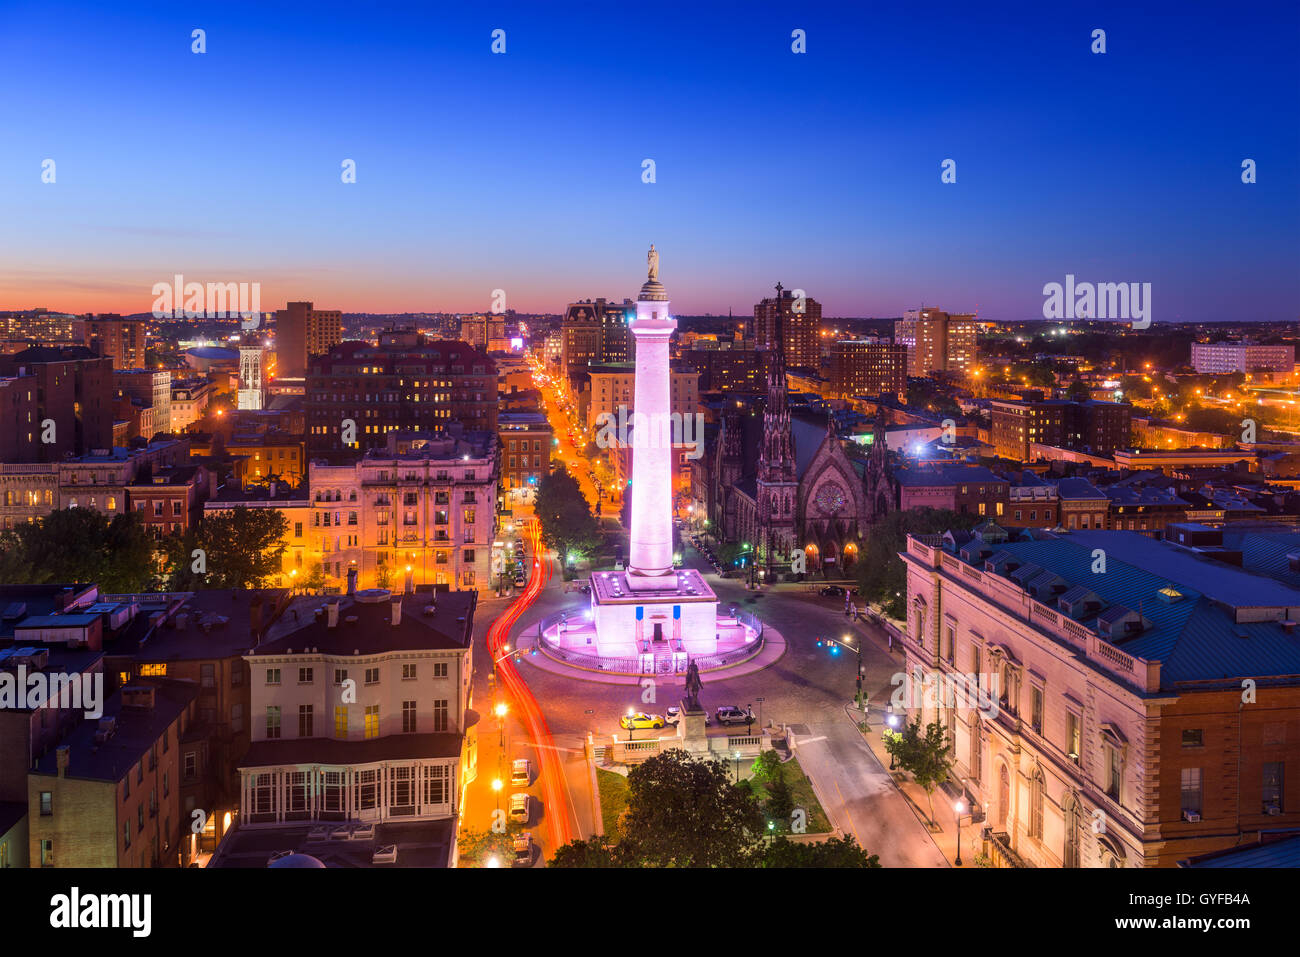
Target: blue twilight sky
{"points": [[522, 171]]}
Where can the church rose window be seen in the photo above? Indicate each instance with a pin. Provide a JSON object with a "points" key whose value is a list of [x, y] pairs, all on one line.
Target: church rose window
{"points": [[830, 498]]}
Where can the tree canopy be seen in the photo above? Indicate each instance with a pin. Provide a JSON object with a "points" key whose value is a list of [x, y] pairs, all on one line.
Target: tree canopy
{"points": [[687, 812], [80, 545], [241, 548], [881, 575], [567, 523]]}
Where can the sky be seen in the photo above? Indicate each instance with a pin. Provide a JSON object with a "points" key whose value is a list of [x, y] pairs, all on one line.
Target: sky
{"points": [[523, 171]]}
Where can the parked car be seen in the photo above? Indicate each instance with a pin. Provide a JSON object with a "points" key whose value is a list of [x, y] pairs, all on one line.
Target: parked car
{"points": [[832, 591], [635, 722], [730, 714], [521, 807], [521, 772], [524, 850]]}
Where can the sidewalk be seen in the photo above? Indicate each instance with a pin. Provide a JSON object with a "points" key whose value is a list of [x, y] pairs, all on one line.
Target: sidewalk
{"points": [[773, 648], [945, 837]]}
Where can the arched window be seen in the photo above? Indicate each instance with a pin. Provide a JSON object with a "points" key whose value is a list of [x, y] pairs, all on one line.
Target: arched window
{"points": [[1071, 857], [1004, 795], [976, 751], [1036, 788]]}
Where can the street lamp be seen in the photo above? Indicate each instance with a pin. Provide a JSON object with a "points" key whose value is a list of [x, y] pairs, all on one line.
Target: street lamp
{"points": [[631, 725], [960, 808], [736, 755], [496, 786], [892, 721]]}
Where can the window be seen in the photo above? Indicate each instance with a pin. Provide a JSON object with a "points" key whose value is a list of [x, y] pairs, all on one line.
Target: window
{"points": [[340, 675], [341, 721], [1191, 791], [1114, 773], [47, 851], [372, 721], [272, 721], [1036, 788], [372, 676], [367, 789], [976, 751], [1193, 737], [1036, 710], [273, 676], [47, 803], [304, 721], [191, 764], [440, 669], [167, 788], [1073, 744], [437, 784], [236, 718], [440, 714], [1274, 774], [408, 717], [408, 672], [236, 674], [139, 817], [304, 676]]}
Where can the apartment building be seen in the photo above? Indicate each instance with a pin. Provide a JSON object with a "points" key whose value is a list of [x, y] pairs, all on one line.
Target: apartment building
{"points": [[360, 712], [421, 510]]}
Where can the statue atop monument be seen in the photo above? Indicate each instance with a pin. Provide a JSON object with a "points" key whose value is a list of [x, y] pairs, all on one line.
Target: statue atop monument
{"points": [[693, 687], [652, 259]]}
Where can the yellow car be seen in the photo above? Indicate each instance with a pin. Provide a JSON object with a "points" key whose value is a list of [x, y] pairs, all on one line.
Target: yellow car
{"points": [[635, 722]]}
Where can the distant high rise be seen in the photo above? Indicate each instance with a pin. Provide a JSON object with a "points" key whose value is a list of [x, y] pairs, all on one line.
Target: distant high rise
{"points": [[869, 367], [42, 326], [302, 331], [480, 331], [1225, 357], [937, 341], [796, 321], [122, 340]]}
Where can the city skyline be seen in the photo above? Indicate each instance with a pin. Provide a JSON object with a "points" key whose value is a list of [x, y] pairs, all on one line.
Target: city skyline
{"points": [[479, 171]]}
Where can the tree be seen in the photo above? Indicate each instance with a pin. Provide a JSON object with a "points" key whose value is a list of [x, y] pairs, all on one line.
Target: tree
{"points": [[686, 812], [832, 852], [882, 577], [597, 852], [479, 846], [1079, 391], [568, 526], [81, 545], [923, 754], [780, 802], [241, 548]]}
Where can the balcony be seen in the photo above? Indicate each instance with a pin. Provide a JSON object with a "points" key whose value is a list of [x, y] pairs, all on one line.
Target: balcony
{"points": [[997, 848]]}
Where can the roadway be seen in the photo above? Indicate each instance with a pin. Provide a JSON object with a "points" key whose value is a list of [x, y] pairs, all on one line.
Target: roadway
{"points": [[807, 689]]}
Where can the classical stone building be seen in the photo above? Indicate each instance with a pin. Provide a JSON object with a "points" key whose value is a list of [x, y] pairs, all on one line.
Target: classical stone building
{"points": [[1130, 713]]}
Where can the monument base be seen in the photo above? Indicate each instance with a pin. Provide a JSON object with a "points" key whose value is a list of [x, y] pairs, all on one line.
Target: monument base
{"points": [[680, 616], [691, 727]]}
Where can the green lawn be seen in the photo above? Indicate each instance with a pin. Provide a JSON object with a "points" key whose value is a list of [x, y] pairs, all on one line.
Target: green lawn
{"points": [[613, 800], [802, 792]]}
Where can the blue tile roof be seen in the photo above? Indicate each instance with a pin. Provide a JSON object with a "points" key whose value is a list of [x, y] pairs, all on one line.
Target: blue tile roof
{"points": [[1278, 853], [1196, 638]]}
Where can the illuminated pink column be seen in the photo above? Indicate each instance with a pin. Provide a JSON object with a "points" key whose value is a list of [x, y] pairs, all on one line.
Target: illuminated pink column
{"points": [[650, 563]]}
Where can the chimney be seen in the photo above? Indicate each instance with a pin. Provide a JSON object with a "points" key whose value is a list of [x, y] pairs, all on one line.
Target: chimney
{"points": [[395, 611], [61, 757], [332, 613], [255, 616]]}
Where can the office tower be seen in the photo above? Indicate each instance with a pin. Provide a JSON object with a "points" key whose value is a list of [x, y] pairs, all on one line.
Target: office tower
{"points": [[799, 325], [302, 331], [1220, 358]]}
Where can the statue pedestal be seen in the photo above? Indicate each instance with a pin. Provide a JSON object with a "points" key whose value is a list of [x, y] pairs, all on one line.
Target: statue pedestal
{"points": [[690, 728]]}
